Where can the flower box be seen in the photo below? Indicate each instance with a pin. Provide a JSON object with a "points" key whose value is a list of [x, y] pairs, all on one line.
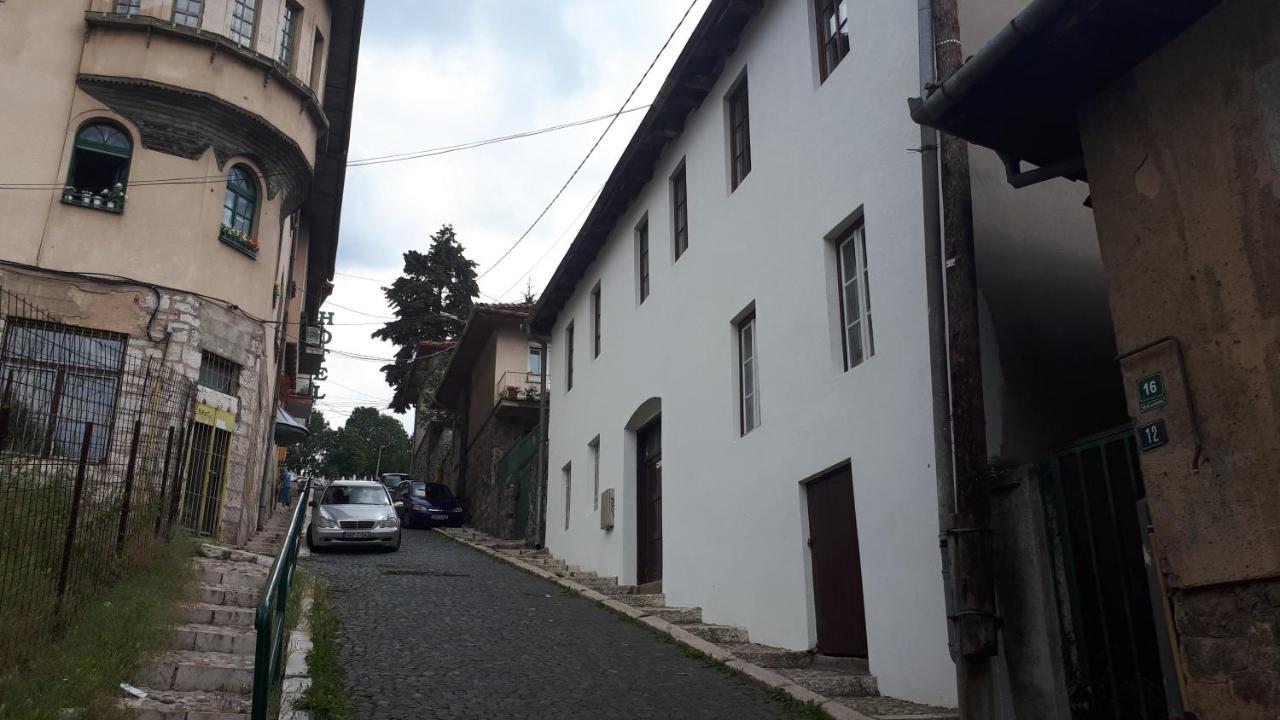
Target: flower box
{"points": [[246, 244]]}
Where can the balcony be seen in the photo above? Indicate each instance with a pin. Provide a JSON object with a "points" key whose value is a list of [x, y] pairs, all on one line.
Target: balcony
{"points": [[518, 394]]}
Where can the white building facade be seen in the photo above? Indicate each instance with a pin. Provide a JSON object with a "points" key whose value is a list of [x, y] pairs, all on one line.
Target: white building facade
{"points": [[737, 335]]}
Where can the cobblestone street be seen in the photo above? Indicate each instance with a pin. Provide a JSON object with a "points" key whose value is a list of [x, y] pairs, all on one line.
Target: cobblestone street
{"points": [[438, 630]]}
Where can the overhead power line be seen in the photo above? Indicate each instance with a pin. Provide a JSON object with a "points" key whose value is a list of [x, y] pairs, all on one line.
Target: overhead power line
{"points": [[594, 145], [364, 162], [554, 244]]}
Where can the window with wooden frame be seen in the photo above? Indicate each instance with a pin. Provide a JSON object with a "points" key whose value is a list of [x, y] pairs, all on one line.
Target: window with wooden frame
{"points": [[244, 22], [642, 258], [832, 20], [855, 296], [240, 210], [188, 12], [568, 357], [57, 379], [595, 320], [99, 170], [739, 133], [219, 373], [748, 374], [128, 7], [679, 211], [289, 26]]}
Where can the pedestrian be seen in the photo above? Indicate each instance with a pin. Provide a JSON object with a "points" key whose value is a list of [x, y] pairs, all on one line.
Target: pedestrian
{"points": [[286, 488]]}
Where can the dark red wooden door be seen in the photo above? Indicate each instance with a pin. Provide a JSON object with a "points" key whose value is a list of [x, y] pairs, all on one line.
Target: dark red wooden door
{"points": [[837, 568], [649, 502]]}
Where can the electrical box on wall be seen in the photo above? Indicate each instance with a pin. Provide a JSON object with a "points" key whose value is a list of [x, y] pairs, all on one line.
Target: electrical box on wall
{"points": [[606, 509]]}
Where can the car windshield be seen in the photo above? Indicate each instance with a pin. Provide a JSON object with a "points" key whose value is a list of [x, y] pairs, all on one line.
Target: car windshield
{"points": [[431, 491], [354, 495], [393, 480]]}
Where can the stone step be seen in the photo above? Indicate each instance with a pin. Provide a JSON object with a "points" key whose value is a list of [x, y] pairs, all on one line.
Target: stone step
{"points": [[678, 615], [221, 572], [190, 671], [226, 595], [606, 585], [647, 600], [832, 682], [767, 656], [214, 638], [217, 552], [719, 634], [173, 705], [223, 615]]}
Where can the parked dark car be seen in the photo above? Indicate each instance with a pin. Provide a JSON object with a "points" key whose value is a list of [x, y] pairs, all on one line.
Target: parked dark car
{"points": [[427, 504]]}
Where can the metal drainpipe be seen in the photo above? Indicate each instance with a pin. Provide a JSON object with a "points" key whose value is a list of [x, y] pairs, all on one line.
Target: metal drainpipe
{"points": [[543, 416], [938, 375]]}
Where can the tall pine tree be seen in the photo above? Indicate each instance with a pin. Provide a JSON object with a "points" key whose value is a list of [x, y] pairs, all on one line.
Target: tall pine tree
{"points": [[431, 301]]}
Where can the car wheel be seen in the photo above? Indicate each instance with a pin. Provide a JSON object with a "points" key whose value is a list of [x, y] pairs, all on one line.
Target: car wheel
{"points": [[407, 522], [311, 543], [395, 547]]}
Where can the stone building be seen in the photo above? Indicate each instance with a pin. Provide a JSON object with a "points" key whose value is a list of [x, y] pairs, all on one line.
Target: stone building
{"points": [[174, 174], [1172, 116], [493, 387]]}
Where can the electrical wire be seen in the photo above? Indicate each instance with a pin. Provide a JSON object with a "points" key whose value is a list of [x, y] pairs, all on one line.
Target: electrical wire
{"points": [[590, 201], [365, 162], [594, 145]]}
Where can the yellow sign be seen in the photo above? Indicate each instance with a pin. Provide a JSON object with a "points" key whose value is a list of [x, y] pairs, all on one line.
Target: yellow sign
{"points": [[220, 419]]}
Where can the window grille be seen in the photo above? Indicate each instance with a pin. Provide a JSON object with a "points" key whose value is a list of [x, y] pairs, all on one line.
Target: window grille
{"points": [[219, 373]]}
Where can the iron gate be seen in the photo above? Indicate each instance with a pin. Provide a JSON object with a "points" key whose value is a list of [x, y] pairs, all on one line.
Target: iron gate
{"points": [[1115, 673], [518, 466]]}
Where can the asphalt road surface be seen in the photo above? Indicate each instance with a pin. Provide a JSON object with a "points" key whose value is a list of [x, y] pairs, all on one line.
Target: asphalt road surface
{"points": [[438, 630]]}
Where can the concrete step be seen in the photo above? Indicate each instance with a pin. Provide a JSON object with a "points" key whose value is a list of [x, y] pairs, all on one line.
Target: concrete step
{"points": [[606, 585], [835, 683], [214, 638], [650, 600], [678, 615], [191, 671], [221, 572], [226, 595], [223, 615], [768, 656], [719, 634], [172, 705]]}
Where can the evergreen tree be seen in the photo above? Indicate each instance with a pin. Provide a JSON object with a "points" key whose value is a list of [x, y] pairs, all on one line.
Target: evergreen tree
{"points": [[308, 456], [431, 301]]}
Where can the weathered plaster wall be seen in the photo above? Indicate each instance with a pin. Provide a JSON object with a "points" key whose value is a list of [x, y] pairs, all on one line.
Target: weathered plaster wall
{"points": [[1184, 164]]}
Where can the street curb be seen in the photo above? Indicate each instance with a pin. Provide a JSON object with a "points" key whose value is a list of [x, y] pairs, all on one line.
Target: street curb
{"points": [[756, 674], [297, 677]]}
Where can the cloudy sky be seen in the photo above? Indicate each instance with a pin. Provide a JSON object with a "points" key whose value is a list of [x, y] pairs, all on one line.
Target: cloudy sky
{"points": [[436, 73]]}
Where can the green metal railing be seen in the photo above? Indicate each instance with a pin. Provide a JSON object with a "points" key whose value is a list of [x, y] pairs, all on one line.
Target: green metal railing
{"points": [[269, 621]]}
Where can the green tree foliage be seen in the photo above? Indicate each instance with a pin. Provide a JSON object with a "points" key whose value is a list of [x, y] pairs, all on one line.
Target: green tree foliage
{"points": [[431, 301], [353, 449], [308, 456]]}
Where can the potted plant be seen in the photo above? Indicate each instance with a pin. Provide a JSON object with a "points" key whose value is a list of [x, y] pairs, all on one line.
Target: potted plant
{"points": [[531, 393], [86, 197], [513, 392], [68, 194], [115, 197], [99, 199]]}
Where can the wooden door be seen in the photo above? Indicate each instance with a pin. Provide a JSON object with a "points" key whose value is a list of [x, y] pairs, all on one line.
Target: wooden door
{"points": [[837, 567], [649, 502]]}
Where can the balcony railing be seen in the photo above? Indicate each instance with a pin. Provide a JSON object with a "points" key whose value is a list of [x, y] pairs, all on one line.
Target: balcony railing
{"points": [[518, 385]]}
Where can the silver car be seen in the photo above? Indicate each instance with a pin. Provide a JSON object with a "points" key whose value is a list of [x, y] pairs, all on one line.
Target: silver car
{"points": [[354, 513]]}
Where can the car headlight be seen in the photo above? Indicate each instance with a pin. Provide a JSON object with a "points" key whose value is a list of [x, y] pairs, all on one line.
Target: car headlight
{"points": [[325, 521], [389, 521]]}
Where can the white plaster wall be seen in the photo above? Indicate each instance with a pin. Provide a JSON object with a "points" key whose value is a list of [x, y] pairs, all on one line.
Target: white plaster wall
{"points": [[733, 507]]}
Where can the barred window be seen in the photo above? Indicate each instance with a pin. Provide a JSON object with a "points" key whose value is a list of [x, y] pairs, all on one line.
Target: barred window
{"points": [[219, 373], [188, 12], [58, 378], [244, 17]]}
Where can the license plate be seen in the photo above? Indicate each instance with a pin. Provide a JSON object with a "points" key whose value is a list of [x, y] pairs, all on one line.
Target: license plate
{"points": [[439, 517], [356, 534]]}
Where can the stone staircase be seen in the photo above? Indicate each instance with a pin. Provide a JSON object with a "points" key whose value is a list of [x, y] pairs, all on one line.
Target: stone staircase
{"points": [[208, 672], [845, 680]]}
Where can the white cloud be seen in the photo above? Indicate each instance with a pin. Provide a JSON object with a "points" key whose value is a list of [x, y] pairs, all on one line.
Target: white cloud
{"points": [[440, 72]]}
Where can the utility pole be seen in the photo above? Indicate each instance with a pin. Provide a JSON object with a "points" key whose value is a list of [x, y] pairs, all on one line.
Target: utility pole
{"points": [[976, 621], [377, 468]]}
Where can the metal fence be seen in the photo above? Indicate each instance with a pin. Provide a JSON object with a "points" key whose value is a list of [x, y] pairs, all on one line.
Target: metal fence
{"points": [[518, 467], [92, 442]]}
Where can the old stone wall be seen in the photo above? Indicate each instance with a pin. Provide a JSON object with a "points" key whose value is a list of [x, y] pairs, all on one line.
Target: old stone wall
{"points": [[173, 328], [491, 502], [1184, 167]]}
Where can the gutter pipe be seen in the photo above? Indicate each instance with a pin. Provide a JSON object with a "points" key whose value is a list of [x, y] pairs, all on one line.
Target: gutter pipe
{"points": [[938, 371], [929, 108]]}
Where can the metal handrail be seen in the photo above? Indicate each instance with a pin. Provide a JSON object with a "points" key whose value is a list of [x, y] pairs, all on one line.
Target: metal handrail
{"points": [[269, 620], [524, 381]]}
